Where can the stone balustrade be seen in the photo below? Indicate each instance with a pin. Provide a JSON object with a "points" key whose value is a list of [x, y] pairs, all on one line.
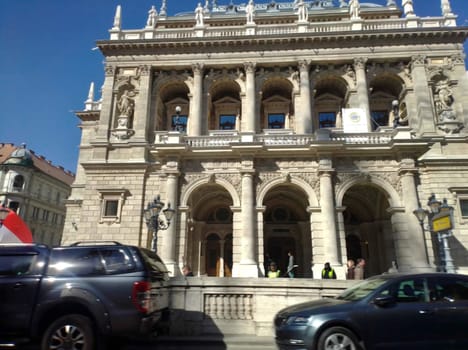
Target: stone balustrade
{"points": [[202, 305], [279, 29]]}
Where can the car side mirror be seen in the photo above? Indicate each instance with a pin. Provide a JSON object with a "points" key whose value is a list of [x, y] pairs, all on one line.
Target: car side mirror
{"points": [[384, 300]]}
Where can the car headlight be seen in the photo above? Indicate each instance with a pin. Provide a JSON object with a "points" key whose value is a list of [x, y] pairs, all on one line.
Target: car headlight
{"points": [[297, 320]]}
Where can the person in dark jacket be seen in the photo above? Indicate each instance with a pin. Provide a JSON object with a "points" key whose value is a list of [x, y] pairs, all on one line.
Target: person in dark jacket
{"points": [[328, 272]]}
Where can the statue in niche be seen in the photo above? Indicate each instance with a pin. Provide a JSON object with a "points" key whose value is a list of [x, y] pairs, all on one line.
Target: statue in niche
{"points": [[302, 11], [250, 12], [126, 106]]}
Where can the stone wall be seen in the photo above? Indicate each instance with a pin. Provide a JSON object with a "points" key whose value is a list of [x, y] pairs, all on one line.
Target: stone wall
{"points": [[211, 305]]}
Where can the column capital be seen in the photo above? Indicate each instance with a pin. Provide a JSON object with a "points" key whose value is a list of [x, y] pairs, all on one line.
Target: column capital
{"points": [[250, 67], [360, 63], [197, 68], [109, 70], [418, 60], [303, 65]]}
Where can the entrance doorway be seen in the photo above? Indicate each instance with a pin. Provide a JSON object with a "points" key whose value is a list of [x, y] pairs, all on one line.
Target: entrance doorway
{"points": [[278, 248]]}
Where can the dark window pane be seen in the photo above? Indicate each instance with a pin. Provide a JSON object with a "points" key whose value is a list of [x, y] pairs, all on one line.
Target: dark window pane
{"points": [[79, 262], [179, 123], [449, 290], [227, 122], [464, 207], [327, 120], [16, 265], [276, 121], [379, 118], [111, 208]]}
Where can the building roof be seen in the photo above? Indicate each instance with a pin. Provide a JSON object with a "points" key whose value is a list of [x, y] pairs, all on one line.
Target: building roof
{"points": [[21, 156]]}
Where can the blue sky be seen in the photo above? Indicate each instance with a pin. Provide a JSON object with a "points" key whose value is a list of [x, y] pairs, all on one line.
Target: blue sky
{"points": [[46, 63]]}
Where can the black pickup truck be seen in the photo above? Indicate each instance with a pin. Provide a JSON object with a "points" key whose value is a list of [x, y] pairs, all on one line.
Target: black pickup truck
{"points": [[72, 297]]}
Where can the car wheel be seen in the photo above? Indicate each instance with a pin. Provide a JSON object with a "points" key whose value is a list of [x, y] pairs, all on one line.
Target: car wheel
{"points": [[338, 338], [71, 332]]}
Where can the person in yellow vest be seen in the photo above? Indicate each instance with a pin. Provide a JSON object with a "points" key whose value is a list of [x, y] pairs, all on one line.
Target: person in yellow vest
{"points": [[273, 271], [328, 272]]}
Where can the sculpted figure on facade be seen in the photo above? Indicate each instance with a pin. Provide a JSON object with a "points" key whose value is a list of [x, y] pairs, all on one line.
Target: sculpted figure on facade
{"points": [[446, 8], [125, 104], [444, 100], [152, 15], [408, 7], [354, 8], [250, 12], [302, 10], [199, 15]]}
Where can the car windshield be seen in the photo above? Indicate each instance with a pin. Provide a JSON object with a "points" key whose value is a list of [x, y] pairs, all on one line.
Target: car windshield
{"points": [[361, 290]]}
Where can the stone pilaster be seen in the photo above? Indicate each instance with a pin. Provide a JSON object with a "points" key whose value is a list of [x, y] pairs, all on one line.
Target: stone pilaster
{"points": [[305, 117], [105, 118], [141, 113], [362, 89], [424, 105]]}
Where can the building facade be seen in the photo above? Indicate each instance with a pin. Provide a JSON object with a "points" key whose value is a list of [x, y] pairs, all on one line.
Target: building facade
{"points": [[315, 127], [36, 190]]}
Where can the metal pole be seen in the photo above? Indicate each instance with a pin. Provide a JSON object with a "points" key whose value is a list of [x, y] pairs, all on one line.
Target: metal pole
{"points": [[154, 226], [449, 266]]}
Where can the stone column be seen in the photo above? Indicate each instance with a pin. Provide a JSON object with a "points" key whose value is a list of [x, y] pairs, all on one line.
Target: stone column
{"points": [[424, 105], [196, 108], [305, 116], [327, 203], [362, 89], [416, 238], [168, 251], [141, 113], [248, 264], [249, 113]]}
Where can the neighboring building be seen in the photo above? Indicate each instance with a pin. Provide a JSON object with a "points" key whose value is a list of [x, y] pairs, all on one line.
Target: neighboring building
{"points": [[36, 190], [307, 126]]}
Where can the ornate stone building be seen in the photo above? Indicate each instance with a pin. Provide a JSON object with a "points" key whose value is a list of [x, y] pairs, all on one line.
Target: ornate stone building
{"points": [[315, 127], [36, 190]]}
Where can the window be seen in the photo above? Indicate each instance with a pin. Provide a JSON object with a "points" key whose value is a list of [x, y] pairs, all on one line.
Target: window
{"points": [[112, 201], [227, 122], [17, 265], [111, 208], [276, 121], [35, 213], [14, 206], [327, 119], [379, 118], [408, 291], [464, 207], [448, 289], [179, 123], [45, 215], [18, 183]]}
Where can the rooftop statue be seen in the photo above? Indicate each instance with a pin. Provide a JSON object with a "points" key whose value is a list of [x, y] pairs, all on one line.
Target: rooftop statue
{"points": [[152, 14], [199, 15], [354, 8], [250, 12]]}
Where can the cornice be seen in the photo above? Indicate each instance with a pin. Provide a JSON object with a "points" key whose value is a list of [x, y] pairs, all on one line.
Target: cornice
{"points": [[294, 41]]}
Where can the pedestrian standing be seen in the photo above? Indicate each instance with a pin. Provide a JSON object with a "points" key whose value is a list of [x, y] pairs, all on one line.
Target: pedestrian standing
{"points": [[350, 272], [359, 269], [328, 272]]}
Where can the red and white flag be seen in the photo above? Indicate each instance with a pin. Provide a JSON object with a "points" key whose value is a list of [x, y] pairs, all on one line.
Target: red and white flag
{"points": [[14, 229]]}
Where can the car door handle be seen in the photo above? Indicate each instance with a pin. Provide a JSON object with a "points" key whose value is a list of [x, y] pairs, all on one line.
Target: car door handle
{"points": [[426, 312]]}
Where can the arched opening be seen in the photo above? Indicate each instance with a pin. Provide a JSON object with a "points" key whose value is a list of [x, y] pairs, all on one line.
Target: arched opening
{"points": [[209, 243], [18, 183], [368, 228], [171, 95], [384, 89], [329, 99], [276, 104], [224, 105], [287, 228]]}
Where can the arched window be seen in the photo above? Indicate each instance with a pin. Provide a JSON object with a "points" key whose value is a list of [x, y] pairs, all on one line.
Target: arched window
{"points": [[18, 183]]}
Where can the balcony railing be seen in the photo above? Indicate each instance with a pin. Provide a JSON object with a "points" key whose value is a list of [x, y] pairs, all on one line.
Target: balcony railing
{"points": [[385, 136], [283, 29]]}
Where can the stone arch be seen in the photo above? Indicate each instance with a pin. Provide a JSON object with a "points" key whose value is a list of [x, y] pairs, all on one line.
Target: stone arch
{"points": [[367, 221], [330, 95], [195, 185], [277, 102], [224, 103], [170, 91], [297, 182], [392, 195], [286, 226]]}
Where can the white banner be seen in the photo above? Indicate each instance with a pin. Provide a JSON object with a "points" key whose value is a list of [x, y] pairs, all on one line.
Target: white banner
{"points": [[354, 120]]}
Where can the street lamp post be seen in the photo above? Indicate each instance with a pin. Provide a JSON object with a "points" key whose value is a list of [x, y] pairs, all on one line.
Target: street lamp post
{"points": [[155, 221], [177, 122], [440, 218]]}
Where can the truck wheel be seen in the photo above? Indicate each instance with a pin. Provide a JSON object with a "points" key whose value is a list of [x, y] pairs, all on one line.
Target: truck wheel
{"points": [[71, 332]]}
